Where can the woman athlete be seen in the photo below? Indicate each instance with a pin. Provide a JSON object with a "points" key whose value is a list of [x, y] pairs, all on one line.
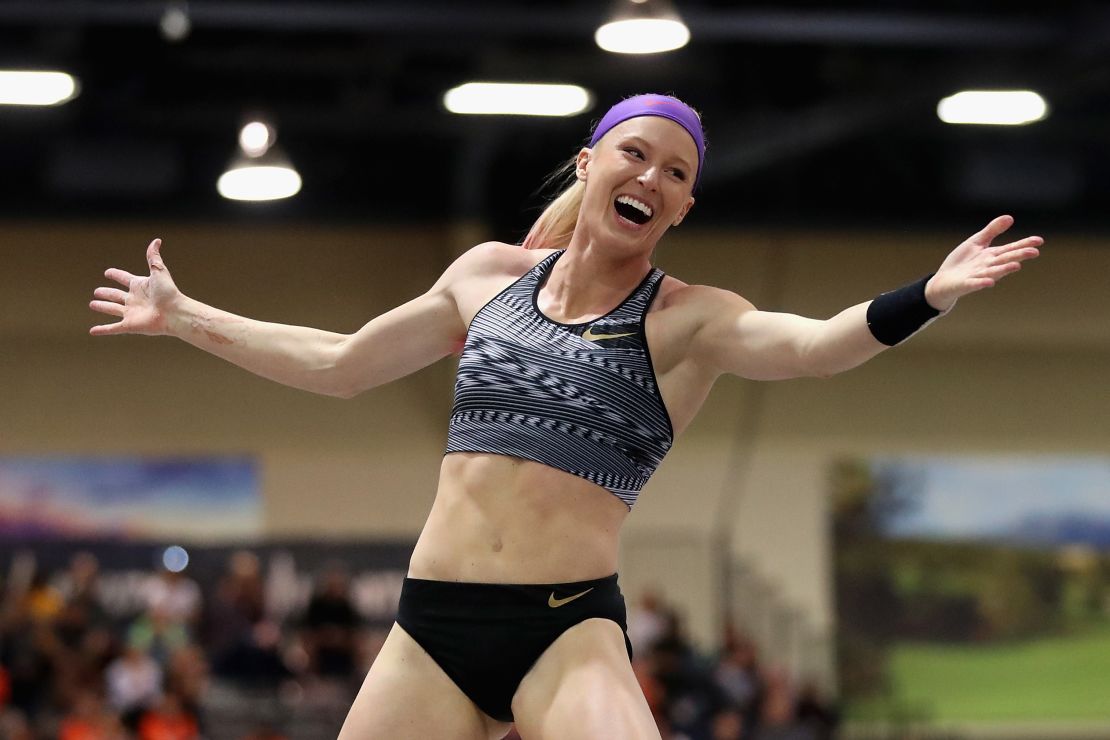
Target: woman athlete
{"points": [[511, 611]]}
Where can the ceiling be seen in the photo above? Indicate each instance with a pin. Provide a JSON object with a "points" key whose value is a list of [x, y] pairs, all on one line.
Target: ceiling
{"points": [[815, 112]]}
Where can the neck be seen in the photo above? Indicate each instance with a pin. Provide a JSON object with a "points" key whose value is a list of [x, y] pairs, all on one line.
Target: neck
{"points": [[590, 279]]}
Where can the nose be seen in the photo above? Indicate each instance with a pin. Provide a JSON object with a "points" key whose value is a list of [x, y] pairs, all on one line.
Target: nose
{"points": [[649, 178]]}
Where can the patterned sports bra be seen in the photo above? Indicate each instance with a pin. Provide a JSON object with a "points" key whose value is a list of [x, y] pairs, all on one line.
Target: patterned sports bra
{"points": [[578, 397]]}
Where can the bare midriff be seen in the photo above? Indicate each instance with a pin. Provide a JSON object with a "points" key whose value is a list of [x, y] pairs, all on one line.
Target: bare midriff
{"points": [[499, 519]]}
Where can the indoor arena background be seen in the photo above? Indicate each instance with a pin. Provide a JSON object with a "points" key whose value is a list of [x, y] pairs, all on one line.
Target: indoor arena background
{"points": [[777, 586]]}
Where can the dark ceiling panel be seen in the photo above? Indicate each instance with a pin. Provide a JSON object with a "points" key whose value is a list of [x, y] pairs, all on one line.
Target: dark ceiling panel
{"points": [[814, 111]]}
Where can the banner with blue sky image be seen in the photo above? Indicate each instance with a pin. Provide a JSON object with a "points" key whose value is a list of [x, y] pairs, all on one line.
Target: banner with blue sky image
{"points": [[1024, 501], [974, 589], [179, 499]]}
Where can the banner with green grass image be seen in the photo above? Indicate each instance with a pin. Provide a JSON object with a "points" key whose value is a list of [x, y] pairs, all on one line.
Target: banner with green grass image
{"points": [[974, 592]]}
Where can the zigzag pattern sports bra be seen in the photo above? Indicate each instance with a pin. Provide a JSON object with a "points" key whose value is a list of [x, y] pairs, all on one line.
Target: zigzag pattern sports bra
{"points": [[578, 397]]}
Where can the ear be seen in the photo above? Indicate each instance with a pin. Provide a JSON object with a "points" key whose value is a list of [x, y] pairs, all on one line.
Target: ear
{"points": [[683, 211], [583, 162]]}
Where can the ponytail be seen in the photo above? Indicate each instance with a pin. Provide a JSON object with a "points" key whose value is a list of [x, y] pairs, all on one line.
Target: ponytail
{"points": [[555, 226]]}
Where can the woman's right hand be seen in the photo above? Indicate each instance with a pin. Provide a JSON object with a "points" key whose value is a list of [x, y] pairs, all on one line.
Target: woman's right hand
{"points": [[143, 308]]}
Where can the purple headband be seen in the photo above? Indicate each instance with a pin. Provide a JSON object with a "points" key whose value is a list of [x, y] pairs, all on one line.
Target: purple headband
{"points": [[663, 106]]}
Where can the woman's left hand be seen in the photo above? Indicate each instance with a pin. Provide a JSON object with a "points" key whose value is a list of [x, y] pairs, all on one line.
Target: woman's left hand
{"points": [[975, 264]]}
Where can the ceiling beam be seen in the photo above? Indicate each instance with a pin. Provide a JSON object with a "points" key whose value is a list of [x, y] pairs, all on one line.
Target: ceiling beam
{"points": [[474, 21]]}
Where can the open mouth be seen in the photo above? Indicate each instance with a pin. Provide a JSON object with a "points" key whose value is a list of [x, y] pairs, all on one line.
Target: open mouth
{"points": [[632, 209]]}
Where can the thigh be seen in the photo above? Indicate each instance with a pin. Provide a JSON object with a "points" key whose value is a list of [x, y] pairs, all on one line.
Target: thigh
{"points": [[407, 696], [583, 687]]}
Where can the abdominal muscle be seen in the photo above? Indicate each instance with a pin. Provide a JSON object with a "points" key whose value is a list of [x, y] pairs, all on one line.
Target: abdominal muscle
{"points": [[500, 519]]}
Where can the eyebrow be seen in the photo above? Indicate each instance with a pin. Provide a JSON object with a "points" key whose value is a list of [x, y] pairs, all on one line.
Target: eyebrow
{"points": [[681, 160]]}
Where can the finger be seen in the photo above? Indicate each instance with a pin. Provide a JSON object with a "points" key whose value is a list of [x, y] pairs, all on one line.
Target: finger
{"points": [[991, 231], [123, 277], [1020, 255], [112, 309], [107, 329], [1000, 271], [154, 255], [1027, 245], [110, 294]]}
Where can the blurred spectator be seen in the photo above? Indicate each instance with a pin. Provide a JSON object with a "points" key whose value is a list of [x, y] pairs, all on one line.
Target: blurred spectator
{"points": [[686, 681], [234, 611], [776, 718], [81, 613], [816, 713], [82, 610], [42, 603], [255, 660], [647, 621], [158, 634], [79, 585], [737, 675], [14, 726], [168, 720], [330, 626], [28, 651], [134, 684], [187, 677], [728, 724], [264, 732], [88, 720], [84, 667], [176, 598]]}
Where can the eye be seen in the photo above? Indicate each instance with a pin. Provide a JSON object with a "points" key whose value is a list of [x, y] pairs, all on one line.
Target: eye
{"points": [[680, 174], [634, 152]]}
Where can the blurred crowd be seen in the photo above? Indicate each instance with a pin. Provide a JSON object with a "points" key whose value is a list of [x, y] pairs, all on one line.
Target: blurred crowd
{"points": [[727, 696], [70, 670], [214, 664]]}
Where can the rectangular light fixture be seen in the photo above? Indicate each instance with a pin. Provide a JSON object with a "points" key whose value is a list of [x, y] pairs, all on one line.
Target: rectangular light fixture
{"points": [[993, 107], [25, 87], [509, 99]]}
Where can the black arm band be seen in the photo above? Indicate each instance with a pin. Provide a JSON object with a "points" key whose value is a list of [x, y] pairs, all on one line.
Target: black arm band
{"points": [[895, 316]]}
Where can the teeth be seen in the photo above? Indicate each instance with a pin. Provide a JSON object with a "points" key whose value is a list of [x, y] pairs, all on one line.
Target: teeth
{"points": [[637, 204]]}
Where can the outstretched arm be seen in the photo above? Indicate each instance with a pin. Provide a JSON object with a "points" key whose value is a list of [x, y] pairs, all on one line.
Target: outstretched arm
{"points": [[762, 345], [390, 346]]}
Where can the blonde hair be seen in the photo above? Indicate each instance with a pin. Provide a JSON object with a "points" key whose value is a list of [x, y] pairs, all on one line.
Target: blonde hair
{"points": [[555, 226]]}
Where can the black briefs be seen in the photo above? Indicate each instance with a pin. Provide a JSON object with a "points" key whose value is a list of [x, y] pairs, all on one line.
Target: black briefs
{"points": [[486, 636]]}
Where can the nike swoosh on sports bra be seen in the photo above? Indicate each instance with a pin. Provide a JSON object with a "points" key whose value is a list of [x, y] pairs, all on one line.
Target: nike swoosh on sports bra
{"points": [[582, 398]]}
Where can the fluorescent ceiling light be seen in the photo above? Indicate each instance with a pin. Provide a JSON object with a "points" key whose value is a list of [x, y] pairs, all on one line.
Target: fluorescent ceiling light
{"points": [[253, 182], [36, 88], [260, 170], [642, 35], [642, 27], [994, 107], [501, 98], [255, 138], [175, 22]]}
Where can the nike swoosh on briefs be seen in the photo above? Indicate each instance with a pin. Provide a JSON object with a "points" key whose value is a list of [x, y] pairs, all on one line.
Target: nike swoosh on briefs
{"points": [[555, 603], [589, 335]]}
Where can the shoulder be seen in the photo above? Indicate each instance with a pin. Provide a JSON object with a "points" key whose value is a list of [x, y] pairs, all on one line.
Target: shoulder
{"points": [[699, 301], [684, 318], [493, 259], [483, 271]]}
